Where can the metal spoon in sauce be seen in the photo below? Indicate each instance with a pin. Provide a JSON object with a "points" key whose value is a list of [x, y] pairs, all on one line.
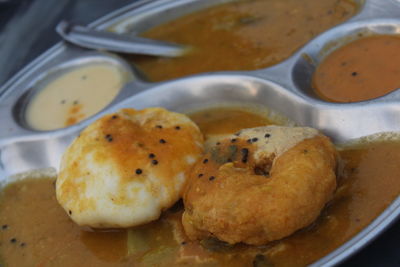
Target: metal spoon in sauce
{"points": [[95, 39]]}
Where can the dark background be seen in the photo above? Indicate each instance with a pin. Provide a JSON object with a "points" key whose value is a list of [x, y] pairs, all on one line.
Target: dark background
{"points": [[27, 30], [27, 26]]}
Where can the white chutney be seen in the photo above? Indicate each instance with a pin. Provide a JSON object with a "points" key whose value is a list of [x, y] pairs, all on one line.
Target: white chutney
{"points": [[75, 96]]}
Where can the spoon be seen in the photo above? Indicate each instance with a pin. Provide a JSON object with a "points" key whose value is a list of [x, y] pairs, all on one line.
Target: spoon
{"points": [[95, 39]]}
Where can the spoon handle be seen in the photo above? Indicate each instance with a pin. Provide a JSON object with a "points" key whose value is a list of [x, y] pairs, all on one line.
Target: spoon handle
{"points": [[123, 43]]}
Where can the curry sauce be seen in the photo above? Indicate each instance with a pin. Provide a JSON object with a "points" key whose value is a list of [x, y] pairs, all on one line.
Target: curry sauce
{"points": [[35, 231], [242, 35], [364, 69]]}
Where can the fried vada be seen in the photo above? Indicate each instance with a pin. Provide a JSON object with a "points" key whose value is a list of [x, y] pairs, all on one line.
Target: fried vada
{"points": [[127, 167], [260, 185]]}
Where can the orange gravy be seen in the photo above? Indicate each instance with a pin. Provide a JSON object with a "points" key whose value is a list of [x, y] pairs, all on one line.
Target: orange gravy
{"points": [[227, 120], [242, 35], [361, 70], [35, 231]]}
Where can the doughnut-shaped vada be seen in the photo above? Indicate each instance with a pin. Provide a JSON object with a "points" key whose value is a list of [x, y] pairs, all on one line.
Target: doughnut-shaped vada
{"points": [[126, 168], [260, 185]]}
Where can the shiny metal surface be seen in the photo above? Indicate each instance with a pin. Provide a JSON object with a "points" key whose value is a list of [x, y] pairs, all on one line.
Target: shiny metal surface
{"points": [[283, 88], [117, 42]]}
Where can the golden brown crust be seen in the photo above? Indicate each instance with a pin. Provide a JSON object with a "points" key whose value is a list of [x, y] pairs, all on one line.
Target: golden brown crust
{"points": [[253, 203]]}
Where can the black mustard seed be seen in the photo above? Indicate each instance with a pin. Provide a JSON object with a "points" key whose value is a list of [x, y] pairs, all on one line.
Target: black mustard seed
{"points": [[109, 137], [245, 154]]}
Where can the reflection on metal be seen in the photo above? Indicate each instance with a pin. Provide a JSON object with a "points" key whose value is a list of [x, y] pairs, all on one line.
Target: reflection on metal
{"points": [[283, 88], [117, 42]]}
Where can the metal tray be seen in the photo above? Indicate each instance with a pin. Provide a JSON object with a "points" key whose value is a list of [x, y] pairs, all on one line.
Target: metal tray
{"points": [[283, 88]]}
